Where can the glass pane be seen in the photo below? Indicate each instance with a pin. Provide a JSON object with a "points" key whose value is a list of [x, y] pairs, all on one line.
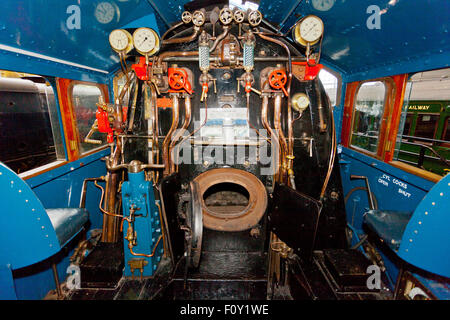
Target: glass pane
{"points": [[330, 83], [30, 134], [367, 116], [426, 125], [446, 134], [427, 113], [84, 99]]}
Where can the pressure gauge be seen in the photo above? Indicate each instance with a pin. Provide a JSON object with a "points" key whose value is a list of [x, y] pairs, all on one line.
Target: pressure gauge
{"points": [[254, 18], [308, 30], [121, 41], [300, 102], [198, 18], [146, 41]]}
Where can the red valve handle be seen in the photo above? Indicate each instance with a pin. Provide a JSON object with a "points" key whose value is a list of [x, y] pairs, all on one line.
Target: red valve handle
{"points": [[178, 80], [278, 79]]}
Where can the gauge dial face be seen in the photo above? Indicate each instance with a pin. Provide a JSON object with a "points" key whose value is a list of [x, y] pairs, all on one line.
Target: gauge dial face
{"points": [[311, 29], [146, 41], [323, 5], [300, 102], [104, 12], [120, 40]]}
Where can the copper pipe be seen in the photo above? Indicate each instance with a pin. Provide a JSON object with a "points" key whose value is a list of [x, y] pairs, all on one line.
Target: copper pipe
{"points": [[226, 30], [196, 130], [168, 138], [155, 128], [83, 190], [332, 154], [187, 39], [179, 24], [290, 145], [146, 255], [273, 136], [186, 123], [57, 283], [110, 223], [168, 54], [278, 128]]}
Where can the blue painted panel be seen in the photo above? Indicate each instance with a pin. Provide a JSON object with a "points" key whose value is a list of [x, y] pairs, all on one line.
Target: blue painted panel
{"points": [[393, 188], [409, 30], [28, 25], [52, 187], [27, 230], [426, 240], [138, 193]]}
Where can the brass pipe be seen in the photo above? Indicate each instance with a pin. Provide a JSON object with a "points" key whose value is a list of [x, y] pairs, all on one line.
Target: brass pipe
{"points": [[290, 145], [273, 136], [168, 138], [279, 129], [111, 223], [187, 39], [226, 30], [155, 128], [143, 254], [168, 54], [57, 284], [186, 123], [179, 24], [84, 187]]}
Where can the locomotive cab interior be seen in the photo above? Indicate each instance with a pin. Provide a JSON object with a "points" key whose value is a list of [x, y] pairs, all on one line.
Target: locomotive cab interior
{"points": [[217, 150]]}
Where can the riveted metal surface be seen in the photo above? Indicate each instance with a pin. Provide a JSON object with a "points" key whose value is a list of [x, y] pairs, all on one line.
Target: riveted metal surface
{"points": [[27, 232], [250, 216], [426, 240]]}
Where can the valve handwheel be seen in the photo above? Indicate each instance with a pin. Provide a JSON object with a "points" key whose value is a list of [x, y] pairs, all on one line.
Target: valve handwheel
{"points": [[178, 80], [278, 79]]}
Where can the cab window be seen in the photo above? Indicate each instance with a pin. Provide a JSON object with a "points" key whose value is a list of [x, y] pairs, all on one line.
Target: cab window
{"points": [[426, 118], [30, 134], [368, 113], [84, 101], [331, 85]]}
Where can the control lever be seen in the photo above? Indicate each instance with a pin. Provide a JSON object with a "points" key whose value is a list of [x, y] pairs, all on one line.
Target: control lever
{"points": [[369, 192]]}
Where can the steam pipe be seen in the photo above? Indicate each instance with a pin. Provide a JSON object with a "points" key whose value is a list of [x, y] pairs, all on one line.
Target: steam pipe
{"points": [[225, 32], [167, 140], [186, 123], [273, 136], [187, 39], [277, 125]]}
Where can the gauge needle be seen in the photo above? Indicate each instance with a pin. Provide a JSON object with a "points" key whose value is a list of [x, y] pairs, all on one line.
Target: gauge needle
{"points": [[143, 41]]}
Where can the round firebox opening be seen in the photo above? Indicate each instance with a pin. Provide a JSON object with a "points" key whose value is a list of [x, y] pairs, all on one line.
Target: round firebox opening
{"points": [[231, 199], [226, 199]]}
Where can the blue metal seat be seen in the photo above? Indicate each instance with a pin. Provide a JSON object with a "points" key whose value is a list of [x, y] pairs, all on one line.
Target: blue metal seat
{"points": [[30, 232], [388, 225], [67, 222], [420, 238]]}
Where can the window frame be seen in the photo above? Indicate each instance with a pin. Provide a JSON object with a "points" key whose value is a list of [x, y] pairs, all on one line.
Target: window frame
{"points": [[389, 94], [58, 162], [104, 91]]}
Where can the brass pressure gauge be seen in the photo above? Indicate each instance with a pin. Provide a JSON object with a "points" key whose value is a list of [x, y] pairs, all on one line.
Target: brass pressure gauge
{"points": [[308, 30], [146, 41], [121, 41], [300, 102]]}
